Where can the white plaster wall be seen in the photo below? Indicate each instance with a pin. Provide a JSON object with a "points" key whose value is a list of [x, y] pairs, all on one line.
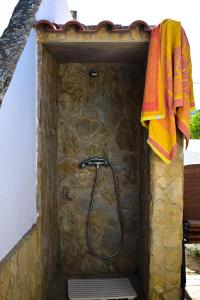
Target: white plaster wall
{"points": [[54, 10], [18, 138], [192, 154], [18, 151]]}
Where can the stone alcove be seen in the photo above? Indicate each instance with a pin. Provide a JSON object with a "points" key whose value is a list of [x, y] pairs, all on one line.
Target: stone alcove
{"points": [[80, 117]]}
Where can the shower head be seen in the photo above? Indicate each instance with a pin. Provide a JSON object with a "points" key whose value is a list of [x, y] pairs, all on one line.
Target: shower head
{"points": [[94, 162]]}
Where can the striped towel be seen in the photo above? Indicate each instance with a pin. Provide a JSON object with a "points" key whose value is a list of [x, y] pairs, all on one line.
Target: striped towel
{"points": [[168, 95]]}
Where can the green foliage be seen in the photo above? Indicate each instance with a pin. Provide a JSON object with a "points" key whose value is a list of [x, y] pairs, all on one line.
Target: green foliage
{"points": [[195, 126], [194, 252]]}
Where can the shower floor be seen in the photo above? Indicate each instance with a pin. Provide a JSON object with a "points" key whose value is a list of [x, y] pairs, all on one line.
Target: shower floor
{"points": [[59, 291]]}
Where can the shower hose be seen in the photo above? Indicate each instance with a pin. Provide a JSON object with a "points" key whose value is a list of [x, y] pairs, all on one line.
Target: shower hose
{"points": [[98, 163]]}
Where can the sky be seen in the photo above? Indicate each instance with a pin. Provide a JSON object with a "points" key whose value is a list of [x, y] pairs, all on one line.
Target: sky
{"points": [[126, 11]]}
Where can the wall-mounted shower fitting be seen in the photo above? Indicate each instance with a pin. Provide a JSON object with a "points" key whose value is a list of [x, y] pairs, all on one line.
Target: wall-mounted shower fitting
{"points": [[93, 74], [99, 162], [94, 162]]}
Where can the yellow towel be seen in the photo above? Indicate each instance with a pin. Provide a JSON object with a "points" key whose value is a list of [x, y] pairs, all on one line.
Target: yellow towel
{"points": [[168, 96]]}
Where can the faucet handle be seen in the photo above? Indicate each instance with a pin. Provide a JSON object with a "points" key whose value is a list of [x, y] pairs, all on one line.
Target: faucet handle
{"points": [[94, 161]]}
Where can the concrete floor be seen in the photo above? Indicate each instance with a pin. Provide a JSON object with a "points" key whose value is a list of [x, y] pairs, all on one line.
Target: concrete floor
{"points": [[193, 287], [192, 274], [58, 289]]}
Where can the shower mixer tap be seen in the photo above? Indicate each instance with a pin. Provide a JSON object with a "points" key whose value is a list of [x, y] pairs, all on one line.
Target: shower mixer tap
{"points": [[94, 161]]}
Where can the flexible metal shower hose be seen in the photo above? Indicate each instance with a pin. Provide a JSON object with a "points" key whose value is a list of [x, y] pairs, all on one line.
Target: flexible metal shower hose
{"points": [[90, 211]]}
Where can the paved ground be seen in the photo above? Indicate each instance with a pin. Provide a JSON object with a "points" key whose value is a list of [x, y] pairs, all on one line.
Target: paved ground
{"points": [[193, 275], [193, 286]]}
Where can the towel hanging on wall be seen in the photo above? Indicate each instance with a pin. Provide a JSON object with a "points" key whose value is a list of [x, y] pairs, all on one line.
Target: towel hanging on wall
{"points": [[168, 95]]}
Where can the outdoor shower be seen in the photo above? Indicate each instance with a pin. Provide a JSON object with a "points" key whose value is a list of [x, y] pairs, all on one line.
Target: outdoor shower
{"points": [[101, 288], [98, 162]]}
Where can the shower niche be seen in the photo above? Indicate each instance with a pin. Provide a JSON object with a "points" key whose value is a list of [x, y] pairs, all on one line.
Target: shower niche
{"points": [[98, 117], [90, 97]]}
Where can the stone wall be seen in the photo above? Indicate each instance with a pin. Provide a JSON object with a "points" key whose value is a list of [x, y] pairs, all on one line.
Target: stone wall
{"points": [[20, 271], [166, 214], [89, 117], [145, 200], [47, 153], [98, 117]]}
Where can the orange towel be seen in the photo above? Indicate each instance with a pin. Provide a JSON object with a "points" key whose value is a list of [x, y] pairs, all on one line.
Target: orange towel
{"points": [[168, 96]]}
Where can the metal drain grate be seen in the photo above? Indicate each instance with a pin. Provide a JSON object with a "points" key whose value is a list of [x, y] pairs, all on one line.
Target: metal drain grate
{"points": [[101, 289]]}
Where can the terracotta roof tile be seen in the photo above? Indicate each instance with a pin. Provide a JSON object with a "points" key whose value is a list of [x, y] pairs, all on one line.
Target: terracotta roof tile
{"points": [[53, 27]]}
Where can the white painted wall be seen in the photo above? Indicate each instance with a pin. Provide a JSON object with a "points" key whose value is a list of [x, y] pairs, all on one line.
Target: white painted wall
{"points": [[18, 151], [192, 154], [18, 138], [54, 10]]}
